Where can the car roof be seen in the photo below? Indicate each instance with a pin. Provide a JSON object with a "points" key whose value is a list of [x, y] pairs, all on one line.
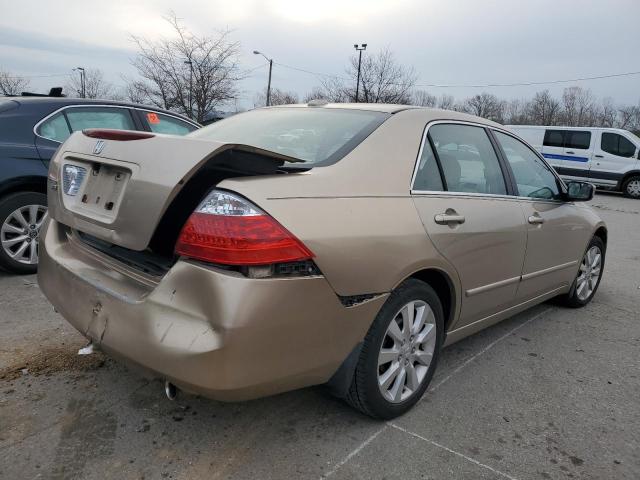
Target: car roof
{"points": [[59, 102], [426, 113]]}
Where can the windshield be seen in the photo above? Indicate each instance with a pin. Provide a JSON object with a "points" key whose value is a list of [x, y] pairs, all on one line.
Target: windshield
{"points": [[313, 135]]}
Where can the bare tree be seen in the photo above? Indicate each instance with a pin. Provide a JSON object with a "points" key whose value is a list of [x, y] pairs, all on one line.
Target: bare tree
{"points": [[446, 102], [95, 85], [206, 66], [422, 98], [316, 93], [485, 105], [12, 84], [277, 97], [382, 80], [607, 113], [627, 117], [544, 109], [516, 112], [577, 107]]}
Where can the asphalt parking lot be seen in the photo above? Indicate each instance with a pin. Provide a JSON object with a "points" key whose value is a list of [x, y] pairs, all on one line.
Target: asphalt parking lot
{"points": [[550, 393]]}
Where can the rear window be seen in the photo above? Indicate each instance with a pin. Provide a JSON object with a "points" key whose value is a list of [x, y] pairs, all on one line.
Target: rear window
{"points": [[161, 123], [318, 136]]}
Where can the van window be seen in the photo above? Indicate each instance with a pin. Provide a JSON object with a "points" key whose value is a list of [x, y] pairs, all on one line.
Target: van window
{"points": [[617, 145], [554, 138], [577, 140]]}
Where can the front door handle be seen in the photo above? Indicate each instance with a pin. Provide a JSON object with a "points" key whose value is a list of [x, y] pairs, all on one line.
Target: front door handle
{"points": [[599, 156], [448, 218], [535, 219], [572, 153]]}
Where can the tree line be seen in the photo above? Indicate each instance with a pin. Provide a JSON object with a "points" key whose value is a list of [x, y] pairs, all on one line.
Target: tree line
{"points": [[196, 74]]}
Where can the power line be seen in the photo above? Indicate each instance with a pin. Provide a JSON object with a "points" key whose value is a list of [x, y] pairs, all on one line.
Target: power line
{"points": [[474, 85]]}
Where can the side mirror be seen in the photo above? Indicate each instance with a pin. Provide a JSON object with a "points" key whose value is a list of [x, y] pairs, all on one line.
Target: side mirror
{"points": [[579, 191]]}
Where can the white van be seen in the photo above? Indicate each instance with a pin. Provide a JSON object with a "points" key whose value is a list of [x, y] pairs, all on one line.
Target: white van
{"points": [[606, 157]]}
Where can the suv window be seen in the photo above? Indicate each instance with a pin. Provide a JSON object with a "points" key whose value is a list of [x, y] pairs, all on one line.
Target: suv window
{"points": [[617, 145], [55, 128], [428, 175], [469, 162], [99, 117], [161, 123], [533, 177], [578, 140], [554, 138]]}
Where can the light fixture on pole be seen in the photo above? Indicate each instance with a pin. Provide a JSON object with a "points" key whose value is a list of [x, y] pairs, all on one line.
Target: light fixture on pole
{"points": [[190, 63], [359, 49], [83, 87], [270, 60]]}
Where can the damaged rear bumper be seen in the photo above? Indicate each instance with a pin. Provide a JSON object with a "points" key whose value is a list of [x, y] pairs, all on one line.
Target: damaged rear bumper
{"points": [[208, 331]]}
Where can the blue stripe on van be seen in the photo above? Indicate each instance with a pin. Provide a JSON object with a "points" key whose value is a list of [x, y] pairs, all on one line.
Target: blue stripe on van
{"points": [[565, 157]]}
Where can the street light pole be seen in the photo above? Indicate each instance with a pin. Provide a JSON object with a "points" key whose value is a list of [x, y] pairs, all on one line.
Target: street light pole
{"points": [[190, 63], [83, 88], [359, 49], [270, 60]]}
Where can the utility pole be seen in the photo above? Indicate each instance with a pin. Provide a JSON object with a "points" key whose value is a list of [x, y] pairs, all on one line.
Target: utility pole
{"points": [[359, 49], [190, 63], [270, 60]]}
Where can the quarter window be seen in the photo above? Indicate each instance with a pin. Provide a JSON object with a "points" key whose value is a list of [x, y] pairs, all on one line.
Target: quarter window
{"points": [[428, 175], [55, 128], [578, 140], [160, 123], [469, 162], [617, 145], [533, 177]]}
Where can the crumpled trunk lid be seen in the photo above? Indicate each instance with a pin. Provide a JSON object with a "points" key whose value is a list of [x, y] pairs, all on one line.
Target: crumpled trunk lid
{"points": [[125, 187]]}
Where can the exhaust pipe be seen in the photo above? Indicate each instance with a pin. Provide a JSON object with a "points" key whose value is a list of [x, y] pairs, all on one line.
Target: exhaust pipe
{"points": [[170, 390]]}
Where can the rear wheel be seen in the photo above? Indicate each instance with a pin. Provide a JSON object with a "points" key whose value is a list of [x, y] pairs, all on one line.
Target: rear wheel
{"points": [[631, 187], [400, 352], [21, 217], [589, 275]]}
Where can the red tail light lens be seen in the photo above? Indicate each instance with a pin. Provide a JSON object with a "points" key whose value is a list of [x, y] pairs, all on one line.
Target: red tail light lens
{"points": [[229, 230]]}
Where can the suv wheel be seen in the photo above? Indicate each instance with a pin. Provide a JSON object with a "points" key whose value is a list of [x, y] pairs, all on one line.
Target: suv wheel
{"points": [[631, 187], [21, 217], [400, 352]]}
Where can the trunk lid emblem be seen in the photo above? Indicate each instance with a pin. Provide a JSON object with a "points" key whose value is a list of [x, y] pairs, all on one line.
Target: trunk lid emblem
{"points": [[97, 150]]}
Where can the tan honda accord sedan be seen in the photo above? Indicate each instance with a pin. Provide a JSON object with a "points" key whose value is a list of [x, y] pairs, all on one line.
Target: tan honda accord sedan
{"points": [[311, 244]]}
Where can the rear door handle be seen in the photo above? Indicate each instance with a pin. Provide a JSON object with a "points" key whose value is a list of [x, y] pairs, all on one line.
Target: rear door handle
{"points": [[446, 218], [535, 219]]}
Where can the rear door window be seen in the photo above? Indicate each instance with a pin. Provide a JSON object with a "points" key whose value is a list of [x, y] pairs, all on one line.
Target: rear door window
{"points": [[99, 117], [554, 138], [428, 177], [579, 140], [160, 123], [469, 162], [617, 145]]}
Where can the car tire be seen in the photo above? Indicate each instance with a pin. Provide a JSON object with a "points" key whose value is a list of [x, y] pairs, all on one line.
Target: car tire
{"points": [[369, 391], [28, 204], [631, 187], [584, 286]]}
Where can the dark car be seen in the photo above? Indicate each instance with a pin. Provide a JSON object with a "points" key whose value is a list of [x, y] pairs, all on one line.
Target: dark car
{"points": [[31, 129]]}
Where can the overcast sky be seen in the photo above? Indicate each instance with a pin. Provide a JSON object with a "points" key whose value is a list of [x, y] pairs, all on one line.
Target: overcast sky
{"points": [[447, 42]]}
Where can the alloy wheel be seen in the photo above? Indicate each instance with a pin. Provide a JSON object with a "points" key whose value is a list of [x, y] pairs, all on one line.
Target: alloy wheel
{"points": [[589, 273], [407, 351], [20, 232]]}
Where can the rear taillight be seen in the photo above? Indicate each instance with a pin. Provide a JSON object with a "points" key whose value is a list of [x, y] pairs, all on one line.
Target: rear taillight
{"points": [[118, 135], [229, 230]]}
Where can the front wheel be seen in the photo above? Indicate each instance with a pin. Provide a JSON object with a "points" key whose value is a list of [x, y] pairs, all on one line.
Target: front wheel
{"points": [[631, 187], [400, 352], [21, 216], [589, 275]]}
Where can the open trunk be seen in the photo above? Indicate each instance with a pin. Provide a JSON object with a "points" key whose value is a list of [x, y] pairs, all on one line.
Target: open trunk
{"points": [[130, 198]]}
